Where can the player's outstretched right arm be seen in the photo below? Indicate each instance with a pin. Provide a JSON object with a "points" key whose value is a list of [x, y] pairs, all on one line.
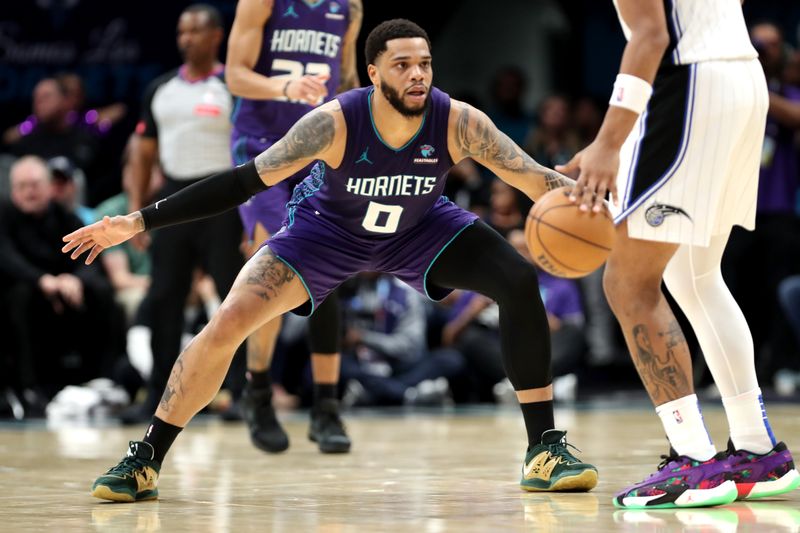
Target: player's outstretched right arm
{"points": [[318, 135]]}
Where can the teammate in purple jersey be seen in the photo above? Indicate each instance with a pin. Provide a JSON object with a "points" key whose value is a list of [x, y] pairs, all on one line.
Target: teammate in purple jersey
{"points": [[284, 58], [371, 203]]}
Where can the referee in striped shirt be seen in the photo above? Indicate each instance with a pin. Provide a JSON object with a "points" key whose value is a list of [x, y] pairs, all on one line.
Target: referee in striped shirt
{"points": [[185, 128]]}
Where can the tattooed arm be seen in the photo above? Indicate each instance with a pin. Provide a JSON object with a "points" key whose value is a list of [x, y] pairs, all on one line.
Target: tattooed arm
{"points": [[348, 78], [319, 135], [472, 134], [313, 137]]}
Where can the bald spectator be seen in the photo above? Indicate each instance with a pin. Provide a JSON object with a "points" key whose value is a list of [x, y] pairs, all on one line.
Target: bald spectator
{"points": [[49, 301]]}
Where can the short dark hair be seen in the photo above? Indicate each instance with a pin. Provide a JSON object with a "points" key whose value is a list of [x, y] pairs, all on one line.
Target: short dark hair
{"points": [[214, 16], [388, 30]]}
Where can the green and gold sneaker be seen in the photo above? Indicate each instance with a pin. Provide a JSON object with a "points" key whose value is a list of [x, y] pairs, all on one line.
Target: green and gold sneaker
{"points": [[135, 478], [549, 466]]}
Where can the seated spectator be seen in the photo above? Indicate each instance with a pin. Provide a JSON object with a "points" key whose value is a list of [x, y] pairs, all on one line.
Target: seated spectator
{"points": [[69, 188], [507, 109], [62, 328], [554, 141], [385, 359], [505, 213], [128, 265], [474, 330], [95, 120], [49, 133]]}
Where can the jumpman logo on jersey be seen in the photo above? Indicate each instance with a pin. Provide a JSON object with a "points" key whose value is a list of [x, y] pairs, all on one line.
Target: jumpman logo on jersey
{"points": [[364, 157], [290, 12]]}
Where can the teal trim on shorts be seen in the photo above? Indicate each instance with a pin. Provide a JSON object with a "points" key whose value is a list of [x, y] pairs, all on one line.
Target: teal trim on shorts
{"points": [[425, 277], [305, 286]]}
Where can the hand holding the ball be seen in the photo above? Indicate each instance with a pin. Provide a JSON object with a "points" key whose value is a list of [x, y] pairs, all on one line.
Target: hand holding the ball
{"points": [[566, 241], [598, 164]]}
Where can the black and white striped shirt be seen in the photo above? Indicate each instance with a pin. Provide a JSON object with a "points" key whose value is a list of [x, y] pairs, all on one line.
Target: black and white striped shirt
{"points": [[191, 120]]}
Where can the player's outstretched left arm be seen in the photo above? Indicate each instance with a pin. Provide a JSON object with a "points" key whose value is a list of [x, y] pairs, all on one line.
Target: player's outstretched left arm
{"points": [[313, 137], [472, 134]]}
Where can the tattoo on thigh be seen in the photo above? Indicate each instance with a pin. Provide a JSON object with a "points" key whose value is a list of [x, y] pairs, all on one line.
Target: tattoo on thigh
{"points": [[663, 377], [269, 274], [175, 383]]}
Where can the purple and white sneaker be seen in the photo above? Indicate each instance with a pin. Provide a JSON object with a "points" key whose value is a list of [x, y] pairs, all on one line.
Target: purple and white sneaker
{"points": [[682, 482], [762, 475]]}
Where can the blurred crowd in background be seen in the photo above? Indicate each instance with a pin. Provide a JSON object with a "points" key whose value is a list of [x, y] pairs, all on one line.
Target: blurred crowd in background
{"points": [[69, 327]]}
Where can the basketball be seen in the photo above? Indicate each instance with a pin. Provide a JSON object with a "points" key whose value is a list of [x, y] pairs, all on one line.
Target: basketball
{"points": [[565, 241]]}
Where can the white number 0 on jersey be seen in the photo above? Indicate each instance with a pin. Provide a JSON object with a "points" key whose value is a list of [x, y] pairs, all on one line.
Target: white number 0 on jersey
{"points": [[375, 210]]}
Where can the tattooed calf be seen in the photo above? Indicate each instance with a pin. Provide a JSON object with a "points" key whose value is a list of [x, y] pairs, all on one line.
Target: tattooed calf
{"points": [[662, 376]]}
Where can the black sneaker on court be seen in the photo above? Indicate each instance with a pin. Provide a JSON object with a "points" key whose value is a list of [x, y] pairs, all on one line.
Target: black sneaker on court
{"points": [[134, 479], [549, 466], [266, 432], [327, 428]]}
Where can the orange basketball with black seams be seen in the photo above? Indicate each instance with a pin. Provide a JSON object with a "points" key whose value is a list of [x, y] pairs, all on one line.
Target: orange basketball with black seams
{"points": [[565, 241]]}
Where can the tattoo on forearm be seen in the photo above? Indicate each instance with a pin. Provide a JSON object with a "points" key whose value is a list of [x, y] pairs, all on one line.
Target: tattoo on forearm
{"points": [[308, 137], [138, 221], [175, 383], [268, 274], [554, 180], [663, 377], [485, 141]]}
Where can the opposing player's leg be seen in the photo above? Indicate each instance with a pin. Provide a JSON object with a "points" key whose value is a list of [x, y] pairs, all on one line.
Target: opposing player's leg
{"points": [[693, 474], [498, 271], [760, 465], [265, 288]]}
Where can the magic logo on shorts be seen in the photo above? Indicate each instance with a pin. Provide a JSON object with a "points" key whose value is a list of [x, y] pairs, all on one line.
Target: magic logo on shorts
{"points": [[426, 151], [656, 213]]}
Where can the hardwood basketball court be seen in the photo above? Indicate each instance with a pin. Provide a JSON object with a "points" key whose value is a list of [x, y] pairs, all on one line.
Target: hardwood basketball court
{"points": [[428, 471]]}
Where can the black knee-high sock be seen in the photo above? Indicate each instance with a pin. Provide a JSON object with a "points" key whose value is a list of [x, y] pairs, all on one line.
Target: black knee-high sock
{"points": [[259, 380], [324, 391], [538, 419], [160, 435]]}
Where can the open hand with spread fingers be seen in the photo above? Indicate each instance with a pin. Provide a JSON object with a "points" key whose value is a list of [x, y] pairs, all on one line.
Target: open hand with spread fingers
{"points": [[598, 165], [102, 234]]}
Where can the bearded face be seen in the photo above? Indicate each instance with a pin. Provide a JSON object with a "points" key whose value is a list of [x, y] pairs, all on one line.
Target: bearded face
{"points": [[408, 110]]}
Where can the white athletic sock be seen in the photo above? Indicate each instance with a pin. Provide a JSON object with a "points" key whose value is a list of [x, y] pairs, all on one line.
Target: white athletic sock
{"points": [[747, 419], [685, 428]]}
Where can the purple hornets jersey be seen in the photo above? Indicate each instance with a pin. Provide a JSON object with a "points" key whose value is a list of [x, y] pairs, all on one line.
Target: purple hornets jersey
{"points": [[379, 190], [300, 37]]}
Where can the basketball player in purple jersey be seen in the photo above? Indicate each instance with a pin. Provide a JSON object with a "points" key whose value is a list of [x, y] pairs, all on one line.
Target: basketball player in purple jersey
{"points": [[284, 58], [372, 202], [681, 142]]}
